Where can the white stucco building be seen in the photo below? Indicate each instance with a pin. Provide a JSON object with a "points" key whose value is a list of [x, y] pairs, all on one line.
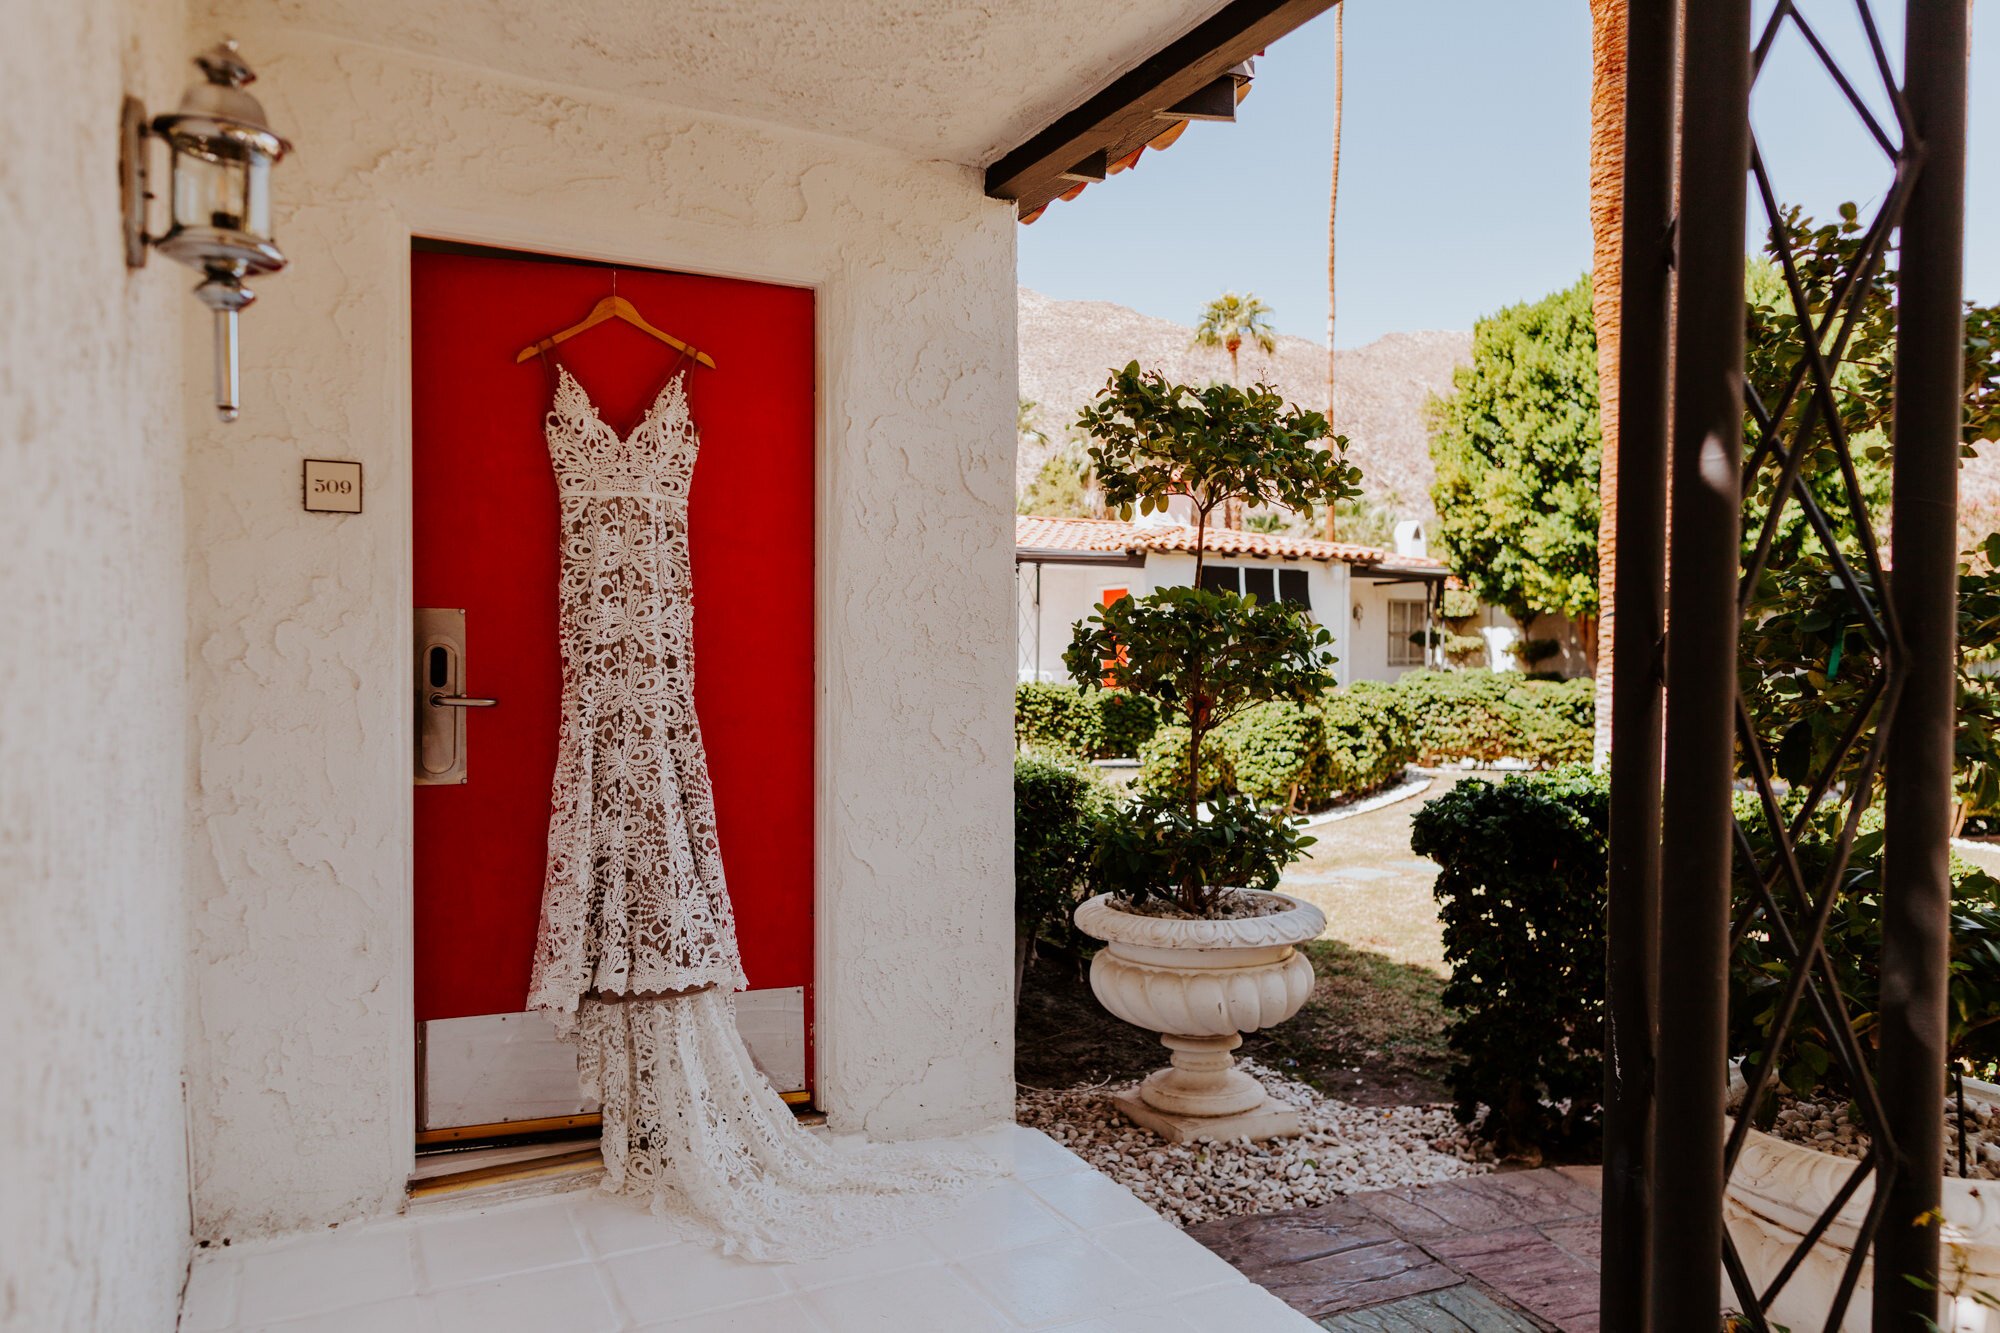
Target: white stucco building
{"points": [[1371, 600], [208, 859]]}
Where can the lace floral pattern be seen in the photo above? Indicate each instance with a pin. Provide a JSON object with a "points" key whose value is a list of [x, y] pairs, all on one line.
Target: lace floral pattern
{"points": [[634, 904], [635, 901]]}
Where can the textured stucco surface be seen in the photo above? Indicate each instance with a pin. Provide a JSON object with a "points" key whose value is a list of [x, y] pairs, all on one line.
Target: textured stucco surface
{"points": [[947, 79], [93, 1204], [299, 863]]}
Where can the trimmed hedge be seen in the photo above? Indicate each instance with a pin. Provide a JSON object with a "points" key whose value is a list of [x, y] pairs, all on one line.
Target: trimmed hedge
{"points": [[1055, 718], [1368, 736], [1292, 754], [1059, 718], [1487, 716], [1351, 740], [1521, 896], [1164, 755], [1126, 721]]}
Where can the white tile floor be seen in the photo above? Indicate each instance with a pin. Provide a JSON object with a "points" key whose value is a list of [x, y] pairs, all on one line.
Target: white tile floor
{"points": [[1056, 1247]]}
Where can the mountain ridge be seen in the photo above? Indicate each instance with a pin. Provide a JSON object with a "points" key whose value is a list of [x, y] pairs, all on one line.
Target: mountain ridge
{"points": [[1068, 347]]}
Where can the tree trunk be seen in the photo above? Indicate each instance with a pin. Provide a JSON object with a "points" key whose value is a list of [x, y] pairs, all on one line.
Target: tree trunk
{"points": [[1332, 209], [1607, 218]]}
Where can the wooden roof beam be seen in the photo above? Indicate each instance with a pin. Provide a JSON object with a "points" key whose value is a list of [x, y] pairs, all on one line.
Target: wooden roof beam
{"points": [[1127, 112]]}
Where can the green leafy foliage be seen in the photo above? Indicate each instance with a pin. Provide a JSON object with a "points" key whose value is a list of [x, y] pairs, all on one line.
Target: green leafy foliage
{"points": [[1203, 656], [1163, 765], [1530, 651], [1126, 721], [1521, 896], [1152, 439], [1484, 717], [1057, 806], [1279, 752], [1063, 487], [1463, 649], [1368, 738], [1760, 969], [1057, 717], [1230, 320], [1516, 446], [1298, 756], [1157, 841], [1805, 659], [1458, 604]]}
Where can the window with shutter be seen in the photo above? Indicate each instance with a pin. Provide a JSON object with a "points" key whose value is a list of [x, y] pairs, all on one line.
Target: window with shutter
{"points": [[1260, 583], [1293, 587]]}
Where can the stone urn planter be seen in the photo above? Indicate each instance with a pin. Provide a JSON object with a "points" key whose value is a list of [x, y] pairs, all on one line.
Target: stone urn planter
{"points": [[1778, 1190], [1200, 984]]}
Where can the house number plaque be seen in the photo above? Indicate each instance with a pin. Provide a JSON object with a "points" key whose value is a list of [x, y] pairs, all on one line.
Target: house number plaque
{"points": [[332, 487]]}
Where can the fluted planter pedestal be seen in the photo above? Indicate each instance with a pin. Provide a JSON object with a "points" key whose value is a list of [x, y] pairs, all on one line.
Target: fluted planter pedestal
{"points": [[1200, 984]]}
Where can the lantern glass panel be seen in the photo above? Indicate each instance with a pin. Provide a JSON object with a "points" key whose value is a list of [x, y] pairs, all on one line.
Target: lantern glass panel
{"points": [[214, 192]]}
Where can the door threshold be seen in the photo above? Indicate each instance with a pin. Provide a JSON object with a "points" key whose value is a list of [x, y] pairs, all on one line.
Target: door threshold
{"points": [[550, 1163], [505, 1170]]}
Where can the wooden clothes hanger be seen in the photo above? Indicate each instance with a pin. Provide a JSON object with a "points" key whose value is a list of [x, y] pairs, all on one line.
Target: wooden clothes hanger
{"points": [[613, 306]]}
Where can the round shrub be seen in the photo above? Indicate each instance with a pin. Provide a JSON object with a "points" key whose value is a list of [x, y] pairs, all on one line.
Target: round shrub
{"points": [[1521, 895]]}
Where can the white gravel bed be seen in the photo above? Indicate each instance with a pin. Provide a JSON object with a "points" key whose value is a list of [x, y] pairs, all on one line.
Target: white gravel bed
{"points": [[1828, 1125], [1344, 1150]]}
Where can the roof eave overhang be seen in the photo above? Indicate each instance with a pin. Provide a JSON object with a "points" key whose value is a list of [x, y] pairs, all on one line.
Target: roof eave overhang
{"points": [[1133, 108], [1052, 555]]}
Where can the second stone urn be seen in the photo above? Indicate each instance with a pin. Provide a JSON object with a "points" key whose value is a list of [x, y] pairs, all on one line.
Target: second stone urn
{"points": [[1200, 985]]}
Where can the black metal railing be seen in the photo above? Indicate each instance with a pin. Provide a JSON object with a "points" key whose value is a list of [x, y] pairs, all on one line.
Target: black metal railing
{"points": [[1709, 455]]}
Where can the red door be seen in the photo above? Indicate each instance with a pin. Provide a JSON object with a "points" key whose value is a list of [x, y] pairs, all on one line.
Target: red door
{"points": [[485, 539]]}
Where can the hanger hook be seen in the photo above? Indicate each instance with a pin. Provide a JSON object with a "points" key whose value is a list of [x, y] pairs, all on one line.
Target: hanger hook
{"points": [[614, 282]]}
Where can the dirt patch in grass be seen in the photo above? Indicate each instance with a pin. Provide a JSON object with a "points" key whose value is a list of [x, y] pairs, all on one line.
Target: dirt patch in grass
{"points": [[1371, 1033]]}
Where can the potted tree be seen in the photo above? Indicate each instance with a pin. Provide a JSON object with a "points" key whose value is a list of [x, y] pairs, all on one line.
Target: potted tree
{"points": [[1199, 945]]}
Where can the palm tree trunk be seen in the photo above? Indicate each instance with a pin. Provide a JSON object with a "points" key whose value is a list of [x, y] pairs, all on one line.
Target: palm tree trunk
{"points": [[1607, 219], [1332, 209]]}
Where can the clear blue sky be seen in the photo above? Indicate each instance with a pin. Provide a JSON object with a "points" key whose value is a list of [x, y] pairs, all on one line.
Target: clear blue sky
{"points": [[1463, 180]]}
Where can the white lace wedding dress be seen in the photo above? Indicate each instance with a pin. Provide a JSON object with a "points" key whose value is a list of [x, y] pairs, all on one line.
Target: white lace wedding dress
{"points": [[637, 953]]}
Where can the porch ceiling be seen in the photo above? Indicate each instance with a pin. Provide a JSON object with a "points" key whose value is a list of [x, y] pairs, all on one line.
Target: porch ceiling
{"points": [[944, 79]]}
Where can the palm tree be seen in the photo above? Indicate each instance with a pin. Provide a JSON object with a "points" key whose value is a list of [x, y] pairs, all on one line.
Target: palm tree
{"points": [[1231, 320], [1332, 208], [1227, 322], [1607, 220]]}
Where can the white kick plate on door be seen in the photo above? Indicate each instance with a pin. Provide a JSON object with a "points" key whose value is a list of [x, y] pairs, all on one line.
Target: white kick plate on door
{"points": [[493, 1068]]}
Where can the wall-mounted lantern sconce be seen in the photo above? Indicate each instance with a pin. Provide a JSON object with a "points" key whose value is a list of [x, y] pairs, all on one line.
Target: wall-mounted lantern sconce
{"points": [[222, 150]]}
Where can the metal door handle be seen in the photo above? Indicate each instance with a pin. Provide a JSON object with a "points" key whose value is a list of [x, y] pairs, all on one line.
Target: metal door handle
{"points": [[461, 701]]}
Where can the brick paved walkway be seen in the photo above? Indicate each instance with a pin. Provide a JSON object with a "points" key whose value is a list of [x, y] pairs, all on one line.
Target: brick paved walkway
{"points": [[1514, 1252]]}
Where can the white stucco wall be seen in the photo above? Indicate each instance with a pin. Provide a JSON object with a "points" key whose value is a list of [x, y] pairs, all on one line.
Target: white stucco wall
{"points": [[93, 1204], [300, 1079], [1369, 658]]}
